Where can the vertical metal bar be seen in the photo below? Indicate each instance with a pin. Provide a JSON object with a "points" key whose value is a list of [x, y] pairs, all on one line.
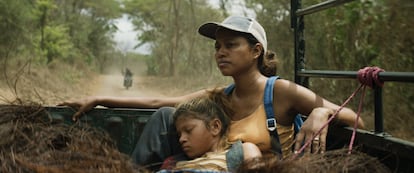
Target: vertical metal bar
{"points": [[294, 21], [298, 25], [304, 81], [293, 8], [379, 124]]}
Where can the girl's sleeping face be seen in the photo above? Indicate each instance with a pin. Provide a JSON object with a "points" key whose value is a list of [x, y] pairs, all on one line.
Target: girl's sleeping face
{"points": [[194, 136]]}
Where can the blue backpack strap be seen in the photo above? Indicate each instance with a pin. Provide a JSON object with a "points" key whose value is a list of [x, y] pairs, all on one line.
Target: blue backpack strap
{"points": [[298, 123], [268, 103], [270, 117], [271, 121], [229, 89]]}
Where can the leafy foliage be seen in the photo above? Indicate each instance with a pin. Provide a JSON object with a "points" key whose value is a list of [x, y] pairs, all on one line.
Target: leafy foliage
{"points": [[57, 43], [15, 17], [73, 31], [170, 27]]}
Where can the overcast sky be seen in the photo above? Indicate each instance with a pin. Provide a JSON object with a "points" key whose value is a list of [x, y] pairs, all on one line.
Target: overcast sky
{"points": [[126, 40], [125, 37]]}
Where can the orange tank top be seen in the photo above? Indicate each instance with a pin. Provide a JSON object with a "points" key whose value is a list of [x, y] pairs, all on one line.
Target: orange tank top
{"points": [[253, 129]]}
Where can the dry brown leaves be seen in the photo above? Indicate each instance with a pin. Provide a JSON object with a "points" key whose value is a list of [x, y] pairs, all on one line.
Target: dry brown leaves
{"points": [[333, 161], [31, 142]]}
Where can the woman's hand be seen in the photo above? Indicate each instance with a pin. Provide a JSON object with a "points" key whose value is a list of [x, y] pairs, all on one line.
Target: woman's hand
{"points": [[315, 121], [82, 105]]}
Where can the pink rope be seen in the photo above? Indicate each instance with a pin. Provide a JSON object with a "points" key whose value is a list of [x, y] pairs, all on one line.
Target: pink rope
{"points": [[351, 143], [367, 76]]}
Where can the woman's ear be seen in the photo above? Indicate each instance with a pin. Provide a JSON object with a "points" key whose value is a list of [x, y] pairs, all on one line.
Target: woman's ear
{"points": [[257, 50], [215, 126]]}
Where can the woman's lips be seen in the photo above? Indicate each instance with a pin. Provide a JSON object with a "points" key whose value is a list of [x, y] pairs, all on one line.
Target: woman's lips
{"points": [[223, 63]]}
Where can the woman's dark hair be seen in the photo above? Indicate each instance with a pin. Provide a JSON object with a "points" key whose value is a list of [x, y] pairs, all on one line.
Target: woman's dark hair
{"points": [[267, 63]]}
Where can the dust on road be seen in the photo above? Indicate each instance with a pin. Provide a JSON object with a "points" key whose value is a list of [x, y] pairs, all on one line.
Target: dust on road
{"points": [[112, 85], [103, 84]]}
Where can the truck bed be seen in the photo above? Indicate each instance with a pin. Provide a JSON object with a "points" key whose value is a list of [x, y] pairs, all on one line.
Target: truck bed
{"points": [[125, 126]]}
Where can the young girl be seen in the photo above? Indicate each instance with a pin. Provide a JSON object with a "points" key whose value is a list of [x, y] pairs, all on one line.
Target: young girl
{"points": [[202, 127]]}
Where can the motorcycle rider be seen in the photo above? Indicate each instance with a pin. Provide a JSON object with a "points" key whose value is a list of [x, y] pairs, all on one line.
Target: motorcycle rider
{"points": [[127, 78]]}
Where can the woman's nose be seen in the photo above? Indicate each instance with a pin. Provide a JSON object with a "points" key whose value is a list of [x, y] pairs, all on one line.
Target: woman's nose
{"points": [[219, 53]]}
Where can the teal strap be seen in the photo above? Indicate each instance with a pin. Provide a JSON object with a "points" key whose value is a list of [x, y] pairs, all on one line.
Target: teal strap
{"points": [[234, 157]]}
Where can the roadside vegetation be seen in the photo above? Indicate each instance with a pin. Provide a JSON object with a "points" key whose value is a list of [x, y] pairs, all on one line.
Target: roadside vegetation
{"points": [[53, 49]]}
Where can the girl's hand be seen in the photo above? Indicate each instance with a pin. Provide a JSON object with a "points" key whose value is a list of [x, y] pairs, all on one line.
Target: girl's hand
{"points": [[315, 121], [82, 105]]}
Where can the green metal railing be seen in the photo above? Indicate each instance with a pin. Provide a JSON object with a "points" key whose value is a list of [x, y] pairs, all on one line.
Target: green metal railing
{"points": [[302, 75], [396, 153]]}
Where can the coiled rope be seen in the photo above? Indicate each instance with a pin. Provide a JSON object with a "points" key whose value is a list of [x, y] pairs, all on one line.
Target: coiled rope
{"points": [[367, 76]]}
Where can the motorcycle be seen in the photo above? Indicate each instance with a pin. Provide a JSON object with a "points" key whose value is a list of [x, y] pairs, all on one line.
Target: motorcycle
{"points": [[127, 79]]}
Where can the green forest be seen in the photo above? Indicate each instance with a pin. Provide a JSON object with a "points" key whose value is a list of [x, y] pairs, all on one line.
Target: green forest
{"points": [[76, 37]]}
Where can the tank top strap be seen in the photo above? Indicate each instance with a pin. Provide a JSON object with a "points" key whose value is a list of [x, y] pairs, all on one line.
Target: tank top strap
{"points": [[235, 156]]}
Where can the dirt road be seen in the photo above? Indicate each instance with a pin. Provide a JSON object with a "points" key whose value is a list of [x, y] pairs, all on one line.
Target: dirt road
{"points": [[56, 92], [112, 85]]}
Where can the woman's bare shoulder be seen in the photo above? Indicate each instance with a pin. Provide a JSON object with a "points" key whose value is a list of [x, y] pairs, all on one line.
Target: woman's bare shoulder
{"points": [[283, 86], [290, 92], [250, 150]]}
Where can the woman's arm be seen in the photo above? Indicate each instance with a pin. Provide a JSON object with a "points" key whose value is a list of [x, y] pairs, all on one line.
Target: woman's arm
{"points": [[301, 100], [86, 104], [306, 101]]}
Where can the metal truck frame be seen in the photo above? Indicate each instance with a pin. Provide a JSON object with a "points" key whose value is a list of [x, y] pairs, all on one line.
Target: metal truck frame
{"points": [[396, 153]]}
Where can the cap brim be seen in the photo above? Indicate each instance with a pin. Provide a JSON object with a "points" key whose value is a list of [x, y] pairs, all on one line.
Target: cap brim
{"points": [[209, 29]]}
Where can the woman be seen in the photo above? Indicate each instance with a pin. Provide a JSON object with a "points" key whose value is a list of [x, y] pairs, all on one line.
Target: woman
{"points": [[240, 53]]}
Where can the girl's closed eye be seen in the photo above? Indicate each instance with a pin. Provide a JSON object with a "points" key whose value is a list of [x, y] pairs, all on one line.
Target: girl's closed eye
{"points": [[188, 129]]}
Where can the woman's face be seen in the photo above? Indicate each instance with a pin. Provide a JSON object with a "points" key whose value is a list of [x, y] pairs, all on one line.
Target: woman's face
{"points": [[233, 54], [194, 137]]}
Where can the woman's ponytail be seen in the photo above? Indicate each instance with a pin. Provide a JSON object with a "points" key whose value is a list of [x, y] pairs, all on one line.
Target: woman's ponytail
{"points": [[268, 64]]}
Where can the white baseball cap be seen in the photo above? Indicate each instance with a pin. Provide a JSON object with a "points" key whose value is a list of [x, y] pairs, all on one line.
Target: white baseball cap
{"points": [[236, 23]]}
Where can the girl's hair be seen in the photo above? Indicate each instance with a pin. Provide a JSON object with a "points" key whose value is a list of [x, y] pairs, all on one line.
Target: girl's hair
{"points": [[267, 63], [204, 108]]}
